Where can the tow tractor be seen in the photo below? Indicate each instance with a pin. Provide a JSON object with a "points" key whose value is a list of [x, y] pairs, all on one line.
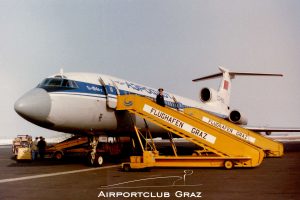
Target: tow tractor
{"points": [[21, 147]]}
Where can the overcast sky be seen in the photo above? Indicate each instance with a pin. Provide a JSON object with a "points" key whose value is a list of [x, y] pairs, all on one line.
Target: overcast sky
{"points": [[159, 43]]}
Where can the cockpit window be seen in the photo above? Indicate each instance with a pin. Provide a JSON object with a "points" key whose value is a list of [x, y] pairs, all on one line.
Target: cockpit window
{"points": [[66, 83], [54, 82], [58, 83]]}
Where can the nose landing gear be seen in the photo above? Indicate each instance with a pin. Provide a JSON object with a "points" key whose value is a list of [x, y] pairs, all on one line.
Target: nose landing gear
{"points": [[95, 158]]}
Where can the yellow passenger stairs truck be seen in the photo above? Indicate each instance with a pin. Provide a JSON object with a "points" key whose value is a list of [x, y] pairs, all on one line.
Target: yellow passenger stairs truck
{"points": [[271, 148], [222, 149]]}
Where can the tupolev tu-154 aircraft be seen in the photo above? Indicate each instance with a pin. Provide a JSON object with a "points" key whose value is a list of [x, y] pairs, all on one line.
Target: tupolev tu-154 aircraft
{"points": [[84, 103]]}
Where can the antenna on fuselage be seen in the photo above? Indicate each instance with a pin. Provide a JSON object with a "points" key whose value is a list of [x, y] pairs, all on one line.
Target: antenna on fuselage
{"points": [[61, 71]]}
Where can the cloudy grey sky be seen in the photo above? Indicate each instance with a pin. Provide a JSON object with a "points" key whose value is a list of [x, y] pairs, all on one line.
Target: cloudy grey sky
{"points": [[159, 43]]}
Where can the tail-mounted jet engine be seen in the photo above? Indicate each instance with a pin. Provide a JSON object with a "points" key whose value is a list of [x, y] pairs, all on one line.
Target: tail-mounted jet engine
{"points": [[236, 117], [208, 95]]}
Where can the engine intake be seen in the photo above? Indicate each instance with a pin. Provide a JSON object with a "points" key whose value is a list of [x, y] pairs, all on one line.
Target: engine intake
{"points": [[207, 95], [236, 117]]}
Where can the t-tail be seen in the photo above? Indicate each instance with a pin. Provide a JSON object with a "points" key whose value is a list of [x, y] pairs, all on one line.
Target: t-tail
{"points": [[220, 100]]}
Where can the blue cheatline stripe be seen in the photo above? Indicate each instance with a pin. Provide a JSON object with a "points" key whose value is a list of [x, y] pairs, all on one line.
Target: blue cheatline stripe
{"points": [[82, 94], [97, 91], [168, 103]]}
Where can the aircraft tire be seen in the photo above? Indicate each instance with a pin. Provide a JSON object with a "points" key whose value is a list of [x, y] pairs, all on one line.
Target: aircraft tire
{"points": [[99, 160], [90, 160]]}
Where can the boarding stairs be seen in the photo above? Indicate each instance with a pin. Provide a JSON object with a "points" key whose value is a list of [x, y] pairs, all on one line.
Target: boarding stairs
{"points": [[225, 149], [271, 148]]}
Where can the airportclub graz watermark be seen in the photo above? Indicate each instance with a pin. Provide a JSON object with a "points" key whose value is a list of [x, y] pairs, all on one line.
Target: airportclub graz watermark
{"points": [[145, 195], [176, 187]]}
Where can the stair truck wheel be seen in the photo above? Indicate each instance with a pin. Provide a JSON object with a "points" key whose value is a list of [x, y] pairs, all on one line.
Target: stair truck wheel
{"points": [[195, 154], [126, 168], [58, 155], [228, 164]]}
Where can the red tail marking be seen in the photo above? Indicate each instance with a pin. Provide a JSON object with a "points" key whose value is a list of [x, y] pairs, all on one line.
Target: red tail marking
{"points": [[226, 85]]}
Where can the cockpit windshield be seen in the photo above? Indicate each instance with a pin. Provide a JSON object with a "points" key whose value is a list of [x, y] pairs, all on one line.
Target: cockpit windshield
{"points": [[58, 83]]}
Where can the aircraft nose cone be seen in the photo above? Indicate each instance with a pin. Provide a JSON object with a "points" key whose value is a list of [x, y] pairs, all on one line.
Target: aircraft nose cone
{"points": [[34, 106]]}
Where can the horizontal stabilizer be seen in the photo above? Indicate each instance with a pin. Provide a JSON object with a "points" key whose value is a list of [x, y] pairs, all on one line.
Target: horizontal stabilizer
{"points": [[208, 77], [233, 74], [252, 74]]}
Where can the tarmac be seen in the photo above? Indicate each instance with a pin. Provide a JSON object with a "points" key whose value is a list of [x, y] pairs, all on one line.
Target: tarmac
{"points": [[275, 178]]}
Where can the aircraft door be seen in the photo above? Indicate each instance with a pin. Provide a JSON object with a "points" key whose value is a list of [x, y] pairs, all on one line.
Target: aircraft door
{"points": [[111, 91]]}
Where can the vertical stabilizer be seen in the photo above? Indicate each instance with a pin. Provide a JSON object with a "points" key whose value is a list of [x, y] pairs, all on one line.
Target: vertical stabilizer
{"points": [[225, 86], [223, 95]]}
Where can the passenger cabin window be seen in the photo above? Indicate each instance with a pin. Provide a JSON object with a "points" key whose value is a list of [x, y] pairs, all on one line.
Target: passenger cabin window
{"points": [[58, 83]]}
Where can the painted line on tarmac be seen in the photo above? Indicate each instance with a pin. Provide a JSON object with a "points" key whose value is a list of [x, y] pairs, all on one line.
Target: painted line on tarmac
{"points": [[54, 174]]}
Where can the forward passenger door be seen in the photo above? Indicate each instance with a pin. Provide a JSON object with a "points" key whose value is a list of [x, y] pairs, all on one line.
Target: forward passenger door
{"points": [[111, 91]]}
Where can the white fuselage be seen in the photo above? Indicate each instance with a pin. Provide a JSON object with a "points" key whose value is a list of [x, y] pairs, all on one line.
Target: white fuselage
{"points": [[86, 102]]}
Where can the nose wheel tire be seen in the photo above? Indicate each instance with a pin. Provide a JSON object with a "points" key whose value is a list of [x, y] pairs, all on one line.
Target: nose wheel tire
{"points": [[95, 161], [99, 160], [90, 160]]}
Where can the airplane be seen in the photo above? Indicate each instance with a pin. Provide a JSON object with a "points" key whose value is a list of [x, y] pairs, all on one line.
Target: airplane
{"points": [[85, 103]]}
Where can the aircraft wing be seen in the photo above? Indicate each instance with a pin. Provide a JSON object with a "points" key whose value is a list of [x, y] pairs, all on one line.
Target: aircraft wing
{"points": [[269, 130]]}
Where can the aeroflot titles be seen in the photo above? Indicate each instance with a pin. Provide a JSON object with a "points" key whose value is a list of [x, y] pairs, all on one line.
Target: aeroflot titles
{"points": [[143, 88], [178, 123], [132, 86]]}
